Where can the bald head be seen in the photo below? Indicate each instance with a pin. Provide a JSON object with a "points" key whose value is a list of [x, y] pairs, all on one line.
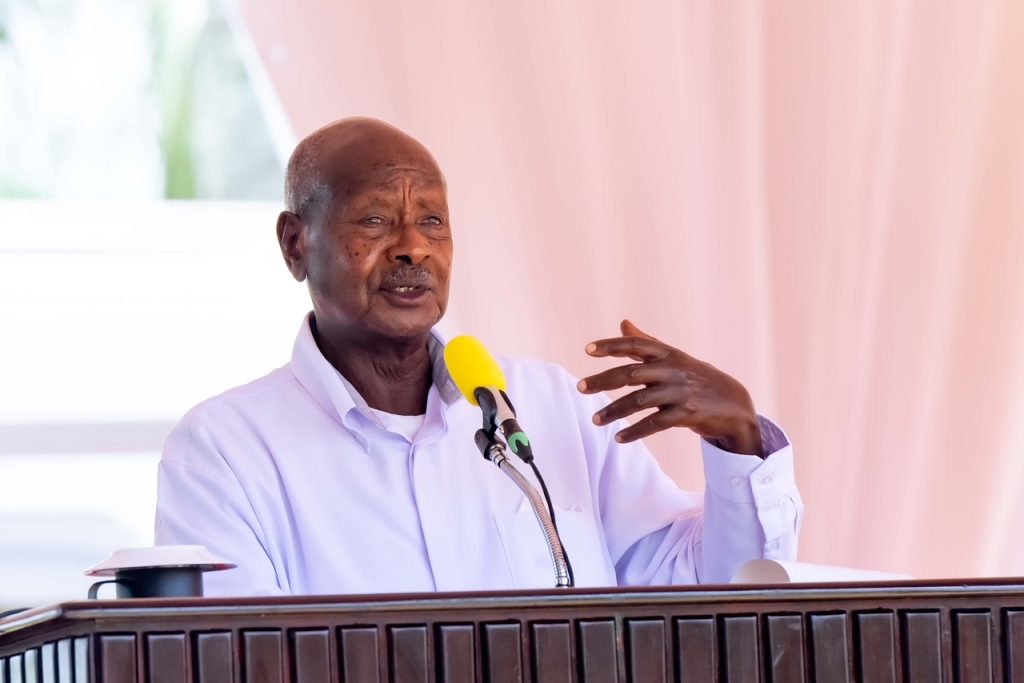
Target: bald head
{"points": [[336, 160], [367, 228]]}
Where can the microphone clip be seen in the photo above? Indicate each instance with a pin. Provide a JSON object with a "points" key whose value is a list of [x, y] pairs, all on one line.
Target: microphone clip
{"points": [[490, 446], [489, 410], [499, 414]]}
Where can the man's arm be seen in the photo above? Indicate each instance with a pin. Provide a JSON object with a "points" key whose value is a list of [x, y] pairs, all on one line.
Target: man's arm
{"points": [[658, 534], [200, 502], [751, 508]]}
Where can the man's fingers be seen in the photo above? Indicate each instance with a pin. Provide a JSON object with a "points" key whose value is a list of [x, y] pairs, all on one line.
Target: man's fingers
{"points": [[630, 330], [652, 424], [634, 374], [641, 399], [637, 348]]}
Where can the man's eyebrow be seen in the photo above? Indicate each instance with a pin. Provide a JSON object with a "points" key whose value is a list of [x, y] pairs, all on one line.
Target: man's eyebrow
{"points": [[431, 202]]}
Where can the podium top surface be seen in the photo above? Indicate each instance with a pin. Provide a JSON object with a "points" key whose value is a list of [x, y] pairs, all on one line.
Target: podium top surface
{"points": [[800, 596]]}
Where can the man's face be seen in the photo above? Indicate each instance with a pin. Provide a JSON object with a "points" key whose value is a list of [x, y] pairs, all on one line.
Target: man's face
{"points": [[378, 260]]}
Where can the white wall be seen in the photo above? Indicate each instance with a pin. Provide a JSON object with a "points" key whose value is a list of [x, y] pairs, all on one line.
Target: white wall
{"points": [[115, 320]]}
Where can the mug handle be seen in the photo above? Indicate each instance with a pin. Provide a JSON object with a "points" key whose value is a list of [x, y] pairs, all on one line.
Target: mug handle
{"points": [[95, 588]]}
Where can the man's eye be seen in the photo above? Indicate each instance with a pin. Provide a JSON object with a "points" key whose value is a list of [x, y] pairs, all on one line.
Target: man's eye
{"points": [[432, 220], [374, 220]]}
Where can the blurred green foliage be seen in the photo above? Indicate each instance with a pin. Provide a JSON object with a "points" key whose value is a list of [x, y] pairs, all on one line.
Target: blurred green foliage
{"points": [[191, 108]]}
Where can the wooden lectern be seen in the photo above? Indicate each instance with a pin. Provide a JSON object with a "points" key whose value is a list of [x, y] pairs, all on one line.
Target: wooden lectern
{"points": [[912, 631]]}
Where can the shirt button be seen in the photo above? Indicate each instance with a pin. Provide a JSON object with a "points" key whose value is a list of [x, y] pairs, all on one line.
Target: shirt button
{"points": [[735, 481], [766, 480], [774, 545]]}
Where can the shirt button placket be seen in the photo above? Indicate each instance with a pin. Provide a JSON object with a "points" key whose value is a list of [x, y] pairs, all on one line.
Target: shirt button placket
{"points": [[424, 511]]}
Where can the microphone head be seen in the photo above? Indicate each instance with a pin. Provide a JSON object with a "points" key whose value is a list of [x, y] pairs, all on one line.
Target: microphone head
{"points": [[471, 366]]}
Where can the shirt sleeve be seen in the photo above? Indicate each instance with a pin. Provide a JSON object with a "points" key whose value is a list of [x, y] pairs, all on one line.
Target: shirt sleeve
{"points": [[200, 502], [751, 509]]}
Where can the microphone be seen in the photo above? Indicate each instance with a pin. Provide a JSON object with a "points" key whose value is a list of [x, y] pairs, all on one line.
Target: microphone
{"points": [[481, 381]]}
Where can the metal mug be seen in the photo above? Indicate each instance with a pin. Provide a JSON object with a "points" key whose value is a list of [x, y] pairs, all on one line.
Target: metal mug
{"points": [[155, 582]]}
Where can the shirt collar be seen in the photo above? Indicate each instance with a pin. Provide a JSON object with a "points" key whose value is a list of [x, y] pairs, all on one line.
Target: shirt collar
{"points": [[335, 393]]}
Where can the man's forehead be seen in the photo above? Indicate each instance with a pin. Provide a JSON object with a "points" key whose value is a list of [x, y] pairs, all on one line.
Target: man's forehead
{"points": [[390, 180], [393, 174], [388, 167], [372, 144]]}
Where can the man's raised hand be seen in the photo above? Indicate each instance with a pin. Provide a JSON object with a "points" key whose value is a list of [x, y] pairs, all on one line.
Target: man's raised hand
{"points": [[685, 391]]}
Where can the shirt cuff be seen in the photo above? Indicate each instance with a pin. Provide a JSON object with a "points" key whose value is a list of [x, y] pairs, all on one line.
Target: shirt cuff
{"points": [[747, 479]]}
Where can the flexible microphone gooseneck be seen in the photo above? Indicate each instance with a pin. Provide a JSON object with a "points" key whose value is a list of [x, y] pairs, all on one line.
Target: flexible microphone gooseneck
{"points": [[483, 384]]}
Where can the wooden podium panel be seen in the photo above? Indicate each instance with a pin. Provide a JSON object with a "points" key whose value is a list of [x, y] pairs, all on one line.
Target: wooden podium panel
{"points": [[913, 631]]}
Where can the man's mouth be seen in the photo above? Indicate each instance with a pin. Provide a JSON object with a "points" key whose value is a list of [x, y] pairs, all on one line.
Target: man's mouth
{"points": [[407, 286], [405, 294]]}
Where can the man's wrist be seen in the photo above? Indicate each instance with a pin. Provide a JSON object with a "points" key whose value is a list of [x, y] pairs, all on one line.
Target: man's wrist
{"points": [[746, 440]]}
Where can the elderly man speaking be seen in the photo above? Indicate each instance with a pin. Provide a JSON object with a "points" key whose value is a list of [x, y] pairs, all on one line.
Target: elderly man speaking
{"points": [[352, 469]]}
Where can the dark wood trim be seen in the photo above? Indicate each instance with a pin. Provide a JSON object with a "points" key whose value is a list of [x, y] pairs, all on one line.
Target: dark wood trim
{"points": [[931, 630]]}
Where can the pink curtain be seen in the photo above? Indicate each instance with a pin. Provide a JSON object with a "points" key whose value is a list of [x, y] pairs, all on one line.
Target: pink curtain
{"points": [[825, 199]]}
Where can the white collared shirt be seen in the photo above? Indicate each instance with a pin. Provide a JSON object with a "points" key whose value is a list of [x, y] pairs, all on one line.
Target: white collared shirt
{"points": [[296, 480]]}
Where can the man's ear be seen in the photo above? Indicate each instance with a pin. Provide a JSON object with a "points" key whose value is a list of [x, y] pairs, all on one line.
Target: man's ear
{"points": [[291, 236]]}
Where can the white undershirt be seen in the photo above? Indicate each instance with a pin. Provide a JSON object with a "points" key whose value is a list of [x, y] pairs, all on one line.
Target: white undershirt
{"points": [[406, 425]]}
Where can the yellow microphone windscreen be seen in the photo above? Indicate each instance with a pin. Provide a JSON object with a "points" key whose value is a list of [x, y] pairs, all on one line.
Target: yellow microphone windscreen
{"points": [[471, 366]]}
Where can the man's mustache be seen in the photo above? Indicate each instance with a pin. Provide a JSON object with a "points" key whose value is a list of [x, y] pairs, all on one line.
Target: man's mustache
{"points": [[409, 275]]}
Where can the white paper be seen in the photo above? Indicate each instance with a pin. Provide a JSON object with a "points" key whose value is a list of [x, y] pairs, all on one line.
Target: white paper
{"points": [[772, 571]]}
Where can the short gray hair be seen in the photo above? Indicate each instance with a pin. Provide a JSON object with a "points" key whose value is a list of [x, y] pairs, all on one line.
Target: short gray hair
{"points": [[306, 193]]}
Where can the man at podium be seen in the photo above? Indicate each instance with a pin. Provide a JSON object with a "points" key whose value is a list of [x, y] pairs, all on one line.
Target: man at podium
{"points": [[352, 468]]}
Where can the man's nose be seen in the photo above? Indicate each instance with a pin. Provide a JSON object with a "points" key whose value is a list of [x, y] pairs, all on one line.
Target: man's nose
{"points": [[411, 245]]}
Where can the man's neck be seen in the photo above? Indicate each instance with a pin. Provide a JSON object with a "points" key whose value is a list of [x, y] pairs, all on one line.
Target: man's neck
{"points": [[393, 375]]}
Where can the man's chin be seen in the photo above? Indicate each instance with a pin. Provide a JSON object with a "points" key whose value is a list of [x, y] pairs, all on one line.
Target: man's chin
{"points": [[406, 324]]}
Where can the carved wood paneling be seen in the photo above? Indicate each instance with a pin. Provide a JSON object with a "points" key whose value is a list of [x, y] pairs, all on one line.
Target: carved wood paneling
{"points": [[1014, 645], [311, 655], [786, 645], [264, 656], [167, 658], [215, 659], [646, 638], [503, 653], [922, 642], [696, 649], [817, 635], [973, 657], [457, 657], [118, 660], [409, 654], [552, 659], [876, 647], [598, 654]]}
